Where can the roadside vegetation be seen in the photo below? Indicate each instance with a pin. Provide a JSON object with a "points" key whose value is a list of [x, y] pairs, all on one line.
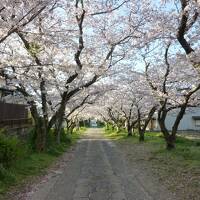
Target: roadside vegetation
{"points": [[19, 160], [178, 169], [127, 63]]}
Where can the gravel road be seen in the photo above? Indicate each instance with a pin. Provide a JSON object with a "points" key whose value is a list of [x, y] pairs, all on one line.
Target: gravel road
{"points": [[98, 171]]}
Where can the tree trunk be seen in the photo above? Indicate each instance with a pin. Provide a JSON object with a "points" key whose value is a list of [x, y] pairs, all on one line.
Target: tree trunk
{"points": [[72, 127], [40, 135], [148, 119], [70, 131], [133, 124], [59, 116], [133, 131], [169, 138], [178, 119], [141, 135], [58, 130], [129, 129], [140, 130], [78, 126], [68, 125], [170, 142]]}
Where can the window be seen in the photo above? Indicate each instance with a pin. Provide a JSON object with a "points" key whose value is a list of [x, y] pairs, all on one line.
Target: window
{"points": [[197, 122]]}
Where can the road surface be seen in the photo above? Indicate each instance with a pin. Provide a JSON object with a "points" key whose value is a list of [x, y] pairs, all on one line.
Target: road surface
{"points": [[98, 171]]}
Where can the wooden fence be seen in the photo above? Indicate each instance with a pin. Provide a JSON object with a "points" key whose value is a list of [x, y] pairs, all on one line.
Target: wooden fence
{"points": [[13, 115]]}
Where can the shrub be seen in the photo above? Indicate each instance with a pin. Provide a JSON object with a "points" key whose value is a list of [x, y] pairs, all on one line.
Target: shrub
{"points": [[31, 140], [65, 137], [198, 143], [10, 150], [6, 175]]}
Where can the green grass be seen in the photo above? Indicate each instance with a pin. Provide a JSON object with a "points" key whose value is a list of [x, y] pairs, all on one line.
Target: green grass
{"points": [[115, 135], [32, 164], [177, 169], [186, 153]]}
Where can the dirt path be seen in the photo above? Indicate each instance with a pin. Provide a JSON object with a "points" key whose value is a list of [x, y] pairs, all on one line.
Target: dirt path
{"points": [[98, 170]]}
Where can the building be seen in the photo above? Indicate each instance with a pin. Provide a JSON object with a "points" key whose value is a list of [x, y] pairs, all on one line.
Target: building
{"points": [[93, 123], [189, 122]]}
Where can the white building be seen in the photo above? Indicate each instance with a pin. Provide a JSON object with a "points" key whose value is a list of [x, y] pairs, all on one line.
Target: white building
{"points": [[189, 122], [93, 123]]}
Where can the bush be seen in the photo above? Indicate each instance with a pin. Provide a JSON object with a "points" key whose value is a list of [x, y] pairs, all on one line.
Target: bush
{"points": [[10, 150], [198, 143], [65, 137], [31, 140], [6, 175]]}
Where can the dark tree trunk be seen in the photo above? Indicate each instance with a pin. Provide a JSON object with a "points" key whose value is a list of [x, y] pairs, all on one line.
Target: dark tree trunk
{"points": [[141, 135], [40, 135], [58, 118], [169, 138], [68, 125], [133, 131], [183, 26], [140, 130], [44, 105], [170, 142], [73, 125], [40, 131], [59, 128], [129, 129], [178, 119], [133, 125], [149, 117]]}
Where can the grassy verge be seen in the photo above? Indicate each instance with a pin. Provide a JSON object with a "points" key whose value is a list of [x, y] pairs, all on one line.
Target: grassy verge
{"points": [[178, 169], [187, 150], [32, 164]]}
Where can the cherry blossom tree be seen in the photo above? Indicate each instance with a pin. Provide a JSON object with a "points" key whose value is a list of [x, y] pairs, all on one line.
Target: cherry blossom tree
{"points": [[75, 58], [53, 59], [174, 87], [178, 22], [16, 15], [141, 107]]}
